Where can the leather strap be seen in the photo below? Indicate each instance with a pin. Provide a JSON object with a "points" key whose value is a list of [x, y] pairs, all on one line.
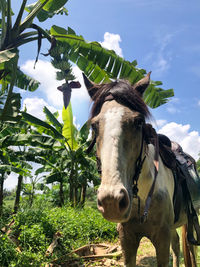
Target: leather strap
{"points": [[193, 223], [156, 168]]}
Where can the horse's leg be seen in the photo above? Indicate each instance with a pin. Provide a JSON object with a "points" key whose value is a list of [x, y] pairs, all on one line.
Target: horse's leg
{"points": [[129, 243], [161, 242], [189, 252], [193, 254], [175, 247]]}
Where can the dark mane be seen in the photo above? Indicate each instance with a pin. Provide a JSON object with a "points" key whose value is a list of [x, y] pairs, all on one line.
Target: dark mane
{"points": [[122, 92]]}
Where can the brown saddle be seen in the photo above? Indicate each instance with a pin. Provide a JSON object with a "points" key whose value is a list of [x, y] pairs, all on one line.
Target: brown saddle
{"points": [[187, 185]]}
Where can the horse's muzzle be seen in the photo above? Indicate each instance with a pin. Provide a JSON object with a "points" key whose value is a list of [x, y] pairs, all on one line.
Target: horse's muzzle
{"points": [[113, 203]]}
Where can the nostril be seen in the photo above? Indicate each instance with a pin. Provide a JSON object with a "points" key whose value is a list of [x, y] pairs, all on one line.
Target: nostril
{"points": [[123, 202], [99, 203], [100, 206]]}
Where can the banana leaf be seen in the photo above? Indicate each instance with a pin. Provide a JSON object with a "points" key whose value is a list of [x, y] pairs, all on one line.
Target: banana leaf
{"points": [[69, 130], [102, 65], [48, 12]]}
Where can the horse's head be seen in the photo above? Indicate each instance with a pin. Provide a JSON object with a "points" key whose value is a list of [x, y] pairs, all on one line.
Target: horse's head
{"points": [[118, 115]]}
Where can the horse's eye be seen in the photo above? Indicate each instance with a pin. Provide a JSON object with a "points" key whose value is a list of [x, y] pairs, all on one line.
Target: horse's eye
{"points": [[95, 127], [138, 122]]}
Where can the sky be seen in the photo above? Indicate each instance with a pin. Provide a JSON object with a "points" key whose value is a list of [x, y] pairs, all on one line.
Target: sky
{"points": [[163, 36]]}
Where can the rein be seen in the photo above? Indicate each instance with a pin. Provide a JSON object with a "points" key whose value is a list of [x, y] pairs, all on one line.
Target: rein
{"points": [[138, 168]]}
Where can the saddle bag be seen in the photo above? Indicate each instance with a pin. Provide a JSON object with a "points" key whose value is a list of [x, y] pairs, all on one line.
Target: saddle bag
{"points": [[188, 166], [190, 182]]}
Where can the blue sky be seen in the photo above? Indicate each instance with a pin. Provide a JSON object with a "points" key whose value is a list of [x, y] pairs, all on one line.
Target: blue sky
{"points": [[163, 36]]}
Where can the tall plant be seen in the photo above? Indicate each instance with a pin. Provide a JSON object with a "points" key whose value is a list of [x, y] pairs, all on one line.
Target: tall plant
{"points": [[14, 35]]}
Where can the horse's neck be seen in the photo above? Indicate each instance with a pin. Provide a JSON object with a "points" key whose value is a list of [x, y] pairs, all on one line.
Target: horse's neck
{"points": [[164, 180]]}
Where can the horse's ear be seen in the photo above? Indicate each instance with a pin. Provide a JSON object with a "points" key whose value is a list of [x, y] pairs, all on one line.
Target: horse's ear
{"points": [[90, 86], [142, 84]]}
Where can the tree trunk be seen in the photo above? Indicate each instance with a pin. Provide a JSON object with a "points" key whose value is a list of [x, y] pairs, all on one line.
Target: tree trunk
{"points": [[83, 195], [61, 194], [75, 202], [71, 194], [18, 192], [1, 193], [32, 195]]}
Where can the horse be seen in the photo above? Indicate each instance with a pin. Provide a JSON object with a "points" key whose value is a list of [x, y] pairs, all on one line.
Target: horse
{"points": [[133, 175]]}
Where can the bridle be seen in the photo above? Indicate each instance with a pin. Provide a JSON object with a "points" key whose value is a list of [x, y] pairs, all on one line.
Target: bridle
{"points": [[138, 168]]}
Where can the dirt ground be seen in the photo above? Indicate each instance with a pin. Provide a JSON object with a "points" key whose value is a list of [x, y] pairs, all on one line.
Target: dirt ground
{"points": [[111, 255], [145, 257]]}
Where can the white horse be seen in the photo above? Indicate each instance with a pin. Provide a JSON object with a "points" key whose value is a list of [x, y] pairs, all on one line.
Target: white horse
{"points": [[118, 120]]}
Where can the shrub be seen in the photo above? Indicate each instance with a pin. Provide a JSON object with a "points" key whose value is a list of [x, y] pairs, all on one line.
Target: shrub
{"points": [[35, 227]]}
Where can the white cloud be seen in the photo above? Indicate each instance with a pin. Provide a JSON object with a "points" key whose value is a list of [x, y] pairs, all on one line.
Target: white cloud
{"points": [[199, 103], [111, 41], [173, 106], [162, 62], [158, 123], [35, 107], [11, 181], [161, 57], [189, 140], [45, 73], [172, 109]]}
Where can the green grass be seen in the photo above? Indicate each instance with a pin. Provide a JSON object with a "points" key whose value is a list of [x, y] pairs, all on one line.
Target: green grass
{"points": [[9, 203]]}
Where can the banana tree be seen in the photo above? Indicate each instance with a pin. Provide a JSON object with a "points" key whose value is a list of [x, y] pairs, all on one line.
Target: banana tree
{"points": [[52, 153], [82, 166], [8, 165], [10, 160], [14, 35], [65, 160], [100, 64], [16, 153], [73, 167]]}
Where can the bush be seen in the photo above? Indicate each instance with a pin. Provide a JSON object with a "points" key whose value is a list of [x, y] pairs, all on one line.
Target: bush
{"points": [[35, 227], [7, 251]]}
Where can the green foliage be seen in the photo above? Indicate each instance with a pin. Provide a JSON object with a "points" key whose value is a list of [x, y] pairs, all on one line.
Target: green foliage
{"points": [[48, 11], [35, 228], [69, 129], [13, 35], [198, 166], [101, 65], [7, 252]]}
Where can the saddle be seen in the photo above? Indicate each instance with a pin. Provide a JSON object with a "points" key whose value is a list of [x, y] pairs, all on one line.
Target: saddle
{"points": [[187, 185]]}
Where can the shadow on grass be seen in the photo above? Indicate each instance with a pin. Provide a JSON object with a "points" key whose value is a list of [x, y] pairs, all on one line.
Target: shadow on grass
{"points": [[147, 262]]}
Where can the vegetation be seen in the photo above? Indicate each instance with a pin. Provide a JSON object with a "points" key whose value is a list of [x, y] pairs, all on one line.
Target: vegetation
{"points": [[35, 227], [198, 166]]}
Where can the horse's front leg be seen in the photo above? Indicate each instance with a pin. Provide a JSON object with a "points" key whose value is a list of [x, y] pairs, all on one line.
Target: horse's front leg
{"points": [[129, 243], [161, 242]]}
